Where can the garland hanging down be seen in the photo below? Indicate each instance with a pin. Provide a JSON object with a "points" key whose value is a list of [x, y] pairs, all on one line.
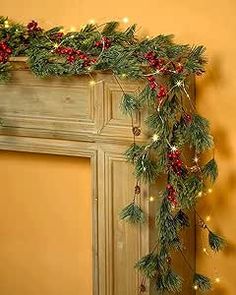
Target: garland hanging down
{"points": [[178, 135]]}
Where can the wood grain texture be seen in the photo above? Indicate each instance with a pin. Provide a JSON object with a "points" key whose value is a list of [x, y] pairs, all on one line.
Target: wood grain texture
{"points": [[67, 116]]}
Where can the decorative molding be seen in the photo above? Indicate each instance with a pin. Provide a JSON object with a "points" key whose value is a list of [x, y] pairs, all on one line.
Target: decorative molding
{"points": [[69, 117]]}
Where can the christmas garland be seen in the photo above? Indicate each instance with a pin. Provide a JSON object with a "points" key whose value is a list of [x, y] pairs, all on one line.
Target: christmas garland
{"points": [[177, 134]]}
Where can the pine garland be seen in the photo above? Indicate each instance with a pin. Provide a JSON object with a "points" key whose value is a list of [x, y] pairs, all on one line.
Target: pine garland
{"points": [[175, 130]]}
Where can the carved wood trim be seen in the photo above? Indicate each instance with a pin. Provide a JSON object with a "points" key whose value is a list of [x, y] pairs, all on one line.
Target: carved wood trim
{"points": [[68, 117]]}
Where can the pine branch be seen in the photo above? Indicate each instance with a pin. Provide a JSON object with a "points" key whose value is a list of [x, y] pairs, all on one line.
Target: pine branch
{"points": [[148, 265], [201, 282], [169, 282], [132, 214], [210, 170], [216, 242]]}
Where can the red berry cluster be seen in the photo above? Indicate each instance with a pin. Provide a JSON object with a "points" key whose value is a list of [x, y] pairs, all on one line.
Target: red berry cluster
{"points": [[57, 36], [33, 27], [179, 68], [172, 196], [187, 118], [176, 163], [104, 43], [153, 61], [72, 55], [161, 91], [152, 82], [5, 52]]}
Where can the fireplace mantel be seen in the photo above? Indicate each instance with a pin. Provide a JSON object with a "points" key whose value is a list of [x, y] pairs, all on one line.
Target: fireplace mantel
{"points": [[68, 116]]}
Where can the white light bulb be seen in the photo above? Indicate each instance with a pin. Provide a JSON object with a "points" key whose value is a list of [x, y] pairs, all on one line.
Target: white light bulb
{"points": [[92, 21], [6, 24], [155, 137], [195, 287], [217, 280], [195, 159], [72, 29], [179, 83], [174, 148], [125, 20], [210, 190], [92, 83], [199, 194], [208, 218], [151, 199]]}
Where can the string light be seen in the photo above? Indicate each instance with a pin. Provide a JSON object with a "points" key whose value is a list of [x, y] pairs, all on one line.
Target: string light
{"points": [[148, 37], [151, 199], [199, 194], [155, 137], [6, 24], [174, 148], [196, 159], [92, 83], [208, 218], [210, 190], [125, 20], [72, 29], [195, 287], [123, 75], [205, 251], [92, 21], [217, 280], [179, 83]]}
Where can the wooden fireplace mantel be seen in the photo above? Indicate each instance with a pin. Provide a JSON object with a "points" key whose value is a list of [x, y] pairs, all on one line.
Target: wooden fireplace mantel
{"points": [[67, 116]]}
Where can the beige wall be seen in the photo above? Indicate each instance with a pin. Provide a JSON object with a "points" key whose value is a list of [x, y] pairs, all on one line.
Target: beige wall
{"points": [[45, 225], [212, 23]]}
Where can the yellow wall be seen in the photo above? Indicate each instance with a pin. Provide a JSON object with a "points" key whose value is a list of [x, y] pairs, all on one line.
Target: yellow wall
{"points": [[45, 225], [212, 23]]}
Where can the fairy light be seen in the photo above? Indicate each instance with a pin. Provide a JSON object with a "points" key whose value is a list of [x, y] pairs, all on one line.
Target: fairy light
{"points": [[205, 251], [147, 37], [123, 75], [151, 199], [6, 24], [199, 194], [210, 190], [208, 218], [92, 83], [155, 137], [196, 159], [179, 83], [125, 20], [92, 21], [217, 280], [195, 287], [174, 148], [72, 29]]}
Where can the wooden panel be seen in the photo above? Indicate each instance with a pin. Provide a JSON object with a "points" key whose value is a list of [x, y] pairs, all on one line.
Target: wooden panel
{"points": [[115, 122], [55, 104], [123, 241]]}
